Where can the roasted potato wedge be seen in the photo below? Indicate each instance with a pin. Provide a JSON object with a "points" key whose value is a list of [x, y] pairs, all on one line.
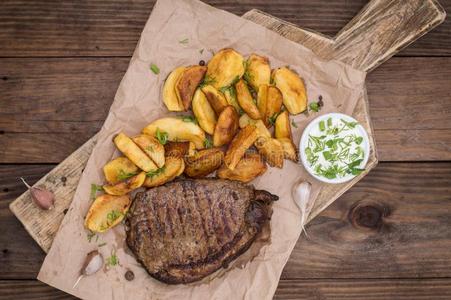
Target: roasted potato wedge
{"points": [[179, 149], [119, 169], [126, 186], [273, 103], [134, 153], [204, 113], [245, 100], [173, 167], [187, 84], [170, 98], [248, 168], [106, 212], [292, 88], [240, 143], [261, 128], [230, 95], [216, 99], [262, 100], [272, 150], [152, 147], [226, 126], [282, 127], [289, 150], [177, 130], [224, 67], [258, 71], [203, 162]]}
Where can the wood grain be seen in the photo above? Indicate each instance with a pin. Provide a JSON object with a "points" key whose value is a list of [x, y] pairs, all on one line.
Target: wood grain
{"points": [[112, 27], [393, 223]]}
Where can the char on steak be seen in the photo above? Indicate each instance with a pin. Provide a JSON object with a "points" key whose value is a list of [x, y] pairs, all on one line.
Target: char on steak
{"points": [[185, 230]]}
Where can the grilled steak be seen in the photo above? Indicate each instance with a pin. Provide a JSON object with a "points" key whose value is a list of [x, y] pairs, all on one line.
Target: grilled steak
{"points": [[185, 230]]}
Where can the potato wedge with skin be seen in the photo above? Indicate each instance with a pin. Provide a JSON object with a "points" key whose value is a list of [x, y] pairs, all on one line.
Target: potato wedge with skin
{"points": [[170, 97], [203, 162], [216, 99], [289, 150], [106, 212], [226, 127], [258, 71], [272, 150], [177, 130], [152, 147], [247, 169], [126, 186], [224, 67], [172, 168], [282, 127], [119, 169], [262, 100], [187, 84], [134, 153], [179, 149], [245, 100], [240, 143], [292, 88], [204, 113], [230, 95], [273, 103], [261, 128]]}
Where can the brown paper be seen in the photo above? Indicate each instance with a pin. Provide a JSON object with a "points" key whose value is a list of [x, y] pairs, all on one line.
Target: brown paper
{"points": [[138, 101]]}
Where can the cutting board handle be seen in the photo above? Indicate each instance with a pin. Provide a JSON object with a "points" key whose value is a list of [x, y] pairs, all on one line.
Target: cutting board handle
{"points": [[382, 28]]}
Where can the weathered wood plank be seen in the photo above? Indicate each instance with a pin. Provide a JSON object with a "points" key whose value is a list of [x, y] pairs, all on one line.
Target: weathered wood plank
{"points": [[112, 28], [317, 289], [411, 240], [45, 118]]}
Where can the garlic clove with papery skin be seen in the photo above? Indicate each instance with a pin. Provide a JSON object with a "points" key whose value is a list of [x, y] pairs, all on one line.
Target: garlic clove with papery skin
{"points": [[42, 198], [93, 263], [301, 195]]}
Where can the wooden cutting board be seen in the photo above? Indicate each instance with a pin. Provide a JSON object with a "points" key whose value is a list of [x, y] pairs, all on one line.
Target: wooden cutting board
{"points": [[380, 30]]}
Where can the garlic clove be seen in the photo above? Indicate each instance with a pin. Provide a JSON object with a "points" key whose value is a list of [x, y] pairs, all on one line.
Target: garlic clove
{"points": [[42, 198], [301, 195], [92, 264]]}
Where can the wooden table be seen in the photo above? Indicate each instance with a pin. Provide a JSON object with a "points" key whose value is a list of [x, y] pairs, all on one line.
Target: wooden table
{"points": [[389, 237]]}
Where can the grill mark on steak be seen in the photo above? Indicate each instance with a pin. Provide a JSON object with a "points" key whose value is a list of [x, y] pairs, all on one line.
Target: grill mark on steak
{"points": [[215, 221]]}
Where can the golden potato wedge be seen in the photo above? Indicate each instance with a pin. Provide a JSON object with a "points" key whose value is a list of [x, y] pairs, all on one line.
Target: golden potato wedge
{"points": [[272, 150], [216, 99], [230, 95], [273, 103], [177, 129], [126, 186], [165, 174], [170, 98], [203, 162], [261, 128], [224, 67], [188, 82], [282, 127], [240, 143], [226, 126], [204, 113], [179, 149], [106, 212], [119, 169], [289, 150], [245, 100], [258, 71], [134, 153], [292, 88], [262, 100], [248, 168], [152, 147]]}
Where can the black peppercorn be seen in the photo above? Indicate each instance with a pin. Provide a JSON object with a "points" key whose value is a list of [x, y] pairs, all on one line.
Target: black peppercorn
{"points": [[202, 63], [129, 275]]}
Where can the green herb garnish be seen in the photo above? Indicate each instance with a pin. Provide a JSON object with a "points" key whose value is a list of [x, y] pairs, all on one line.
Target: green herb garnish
{"points": [[208, 80], [90, 235], [189, 119], [102, 244], [161, 136], [156, 172], [208, 143], [113, 216], [184, 41], [154, 69], [201, 51], [273, 118], [322, 126], [314, 106], [293, 123], [123, 175], [112, 260], [94, 189]]}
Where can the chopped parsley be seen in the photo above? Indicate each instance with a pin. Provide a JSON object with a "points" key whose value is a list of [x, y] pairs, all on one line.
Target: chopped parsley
{"points": [[102, 244], [208, 80], [90, 235], [161, 136], [94, 189], [123, 175], [112, 216], [314, 106], [189, 119], [207, 143], [273, 118], [156, 172], [154, 69], [112, 260], [184, 41], [293, 123]]}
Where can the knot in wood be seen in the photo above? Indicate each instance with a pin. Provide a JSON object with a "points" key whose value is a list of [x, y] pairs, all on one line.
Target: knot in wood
{"points": [[368, 215]]}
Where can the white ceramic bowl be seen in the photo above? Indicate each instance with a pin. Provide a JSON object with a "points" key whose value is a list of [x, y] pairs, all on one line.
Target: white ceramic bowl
{"points": [[304, 139]]}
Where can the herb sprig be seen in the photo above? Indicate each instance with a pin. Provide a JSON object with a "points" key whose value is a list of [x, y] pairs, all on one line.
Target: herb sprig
{"points": [[161, 136]]}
